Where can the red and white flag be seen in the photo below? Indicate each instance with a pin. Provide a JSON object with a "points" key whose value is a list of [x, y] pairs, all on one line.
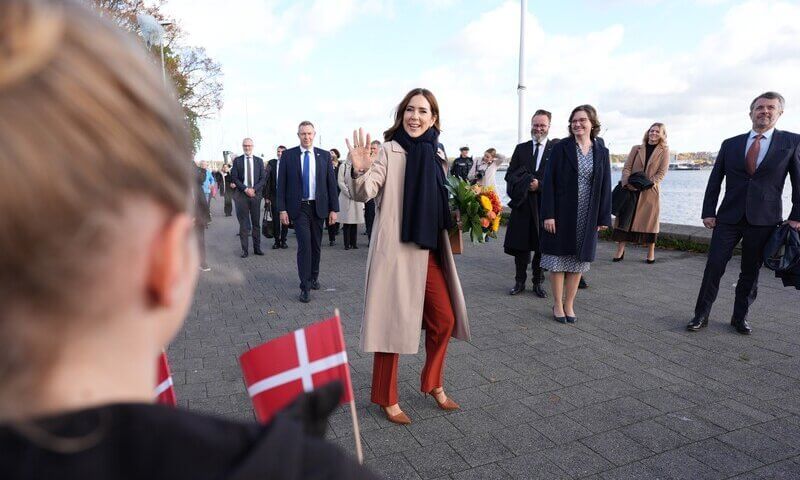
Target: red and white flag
{"points": [[279, 370], [165, 391]]}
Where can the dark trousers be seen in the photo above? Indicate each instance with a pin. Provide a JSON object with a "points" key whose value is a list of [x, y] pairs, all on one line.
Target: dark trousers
{"points": [[308, 229], [369, 216], [521, 262], [333, 230], [248, 212], [438, 320], [723, 240], [279, 231], [228, 202], [350, 233]]}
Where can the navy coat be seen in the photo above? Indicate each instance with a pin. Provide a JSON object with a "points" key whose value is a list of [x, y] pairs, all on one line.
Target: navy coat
{"points": [[560, 200], [290, 184], [756, 198]]}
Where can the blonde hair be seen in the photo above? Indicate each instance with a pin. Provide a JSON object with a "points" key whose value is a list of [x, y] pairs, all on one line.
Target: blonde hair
{"points": [[662, 130], [85, 125]]}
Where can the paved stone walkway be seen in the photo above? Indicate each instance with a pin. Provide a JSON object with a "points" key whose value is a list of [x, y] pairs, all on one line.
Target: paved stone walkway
{"points": [[626, 393]]}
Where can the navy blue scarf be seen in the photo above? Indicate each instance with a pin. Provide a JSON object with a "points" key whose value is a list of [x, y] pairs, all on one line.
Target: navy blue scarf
{"points": [[426, 209]]}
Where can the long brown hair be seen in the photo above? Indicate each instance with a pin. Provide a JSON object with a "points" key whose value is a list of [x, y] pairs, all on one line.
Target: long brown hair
{"points": [[401, 108], [85, 126]]}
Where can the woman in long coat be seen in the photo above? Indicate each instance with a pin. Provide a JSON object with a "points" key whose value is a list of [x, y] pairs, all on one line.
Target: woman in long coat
{"points": [[411, 277], [351, 212], [652, 158], [576, 203]]}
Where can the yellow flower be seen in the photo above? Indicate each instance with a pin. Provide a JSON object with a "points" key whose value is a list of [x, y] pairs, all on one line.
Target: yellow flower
{"points": [[496, 224], [486, 203]]}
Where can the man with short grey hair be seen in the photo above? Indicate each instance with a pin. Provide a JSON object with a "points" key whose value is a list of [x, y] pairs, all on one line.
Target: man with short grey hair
{"points": [[754, 166]]}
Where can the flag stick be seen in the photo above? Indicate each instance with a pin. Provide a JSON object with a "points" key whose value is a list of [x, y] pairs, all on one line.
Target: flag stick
{"points": [[353, 414], [356, 432]]}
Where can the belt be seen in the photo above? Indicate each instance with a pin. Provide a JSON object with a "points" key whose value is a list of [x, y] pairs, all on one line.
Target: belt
{"points": [[308, 202]]}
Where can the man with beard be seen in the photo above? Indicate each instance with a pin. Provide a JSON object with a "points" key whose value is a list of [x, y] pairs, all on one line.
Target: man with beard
{"points": [[523, 179]]}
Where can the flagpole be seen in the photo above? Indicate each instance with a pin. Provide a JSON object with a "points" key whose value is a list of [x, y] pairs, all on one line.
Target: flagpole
{"points": [[353, 414], [521, 85]]}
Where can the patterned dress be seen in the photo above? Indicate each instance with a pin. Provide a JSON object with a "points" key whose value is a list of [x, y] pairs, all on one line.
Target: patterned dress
{"points": [[570, 263]]}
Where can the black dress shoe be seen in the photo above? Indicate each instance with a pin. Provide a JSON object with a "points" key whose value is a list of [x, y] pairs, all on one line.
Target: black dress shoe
{"points": [[314, 285], [698, 322], [276, 246], [354, 247], [304, 296], [571, 319], [331, 243], [558, 319], [518, 287], [244, 254], [258, 251], [582, 284], [538, 290], [649, 262], [283, 245], [619, 259], [741, 326], [347, 247]]}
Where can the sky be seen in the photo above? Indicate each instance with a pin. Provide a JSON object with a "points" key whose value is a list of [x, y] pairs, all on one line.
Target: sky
{"points": [[694, 65]]}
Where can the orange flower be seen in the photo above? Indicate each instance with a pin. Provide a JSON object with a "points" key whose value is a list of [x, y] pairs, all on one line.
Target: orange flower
{"points": [[491, 215], [485, 222]]}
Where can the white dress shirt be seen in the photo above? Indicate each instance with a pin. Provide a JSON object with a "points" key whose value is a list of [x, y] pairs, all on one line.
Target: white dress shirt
{"points": [[766, 139], [538, 160], [312, 171]]}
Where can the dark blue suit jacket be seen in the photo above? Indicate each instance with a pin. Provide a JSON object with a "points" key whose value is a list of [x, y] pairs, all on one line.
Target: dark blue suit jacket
{"points": [[259, 174], [756, 198], [560, 200], [290, 183]]}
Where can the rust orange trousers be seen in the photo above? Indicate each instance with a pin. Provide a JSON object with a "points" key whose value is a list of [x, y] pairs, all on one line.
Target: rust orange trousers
{"points": [[438, 320]]}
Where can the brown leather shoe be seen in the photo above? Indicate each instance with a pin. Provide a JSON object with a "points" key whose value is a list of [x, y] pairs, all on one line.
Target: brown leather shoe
{"points": [[448, 404], [400, 419]]}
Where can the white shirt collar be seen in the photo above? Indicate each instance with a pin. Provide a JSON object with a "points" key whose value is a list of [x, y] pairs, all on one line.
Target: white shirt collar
{"points": [[542, 141], [304, 149], [767, 135]]}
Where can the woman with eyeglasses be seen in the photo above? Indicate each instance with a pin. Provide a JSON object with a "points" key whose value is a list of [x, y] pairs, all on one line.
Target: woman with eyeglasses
{"points": [[576, 204]]}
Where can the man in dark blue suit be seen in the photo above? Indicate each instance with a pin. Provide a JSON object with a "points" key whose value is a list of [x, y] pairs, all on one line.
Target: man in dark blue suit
{"points": [[307, 195], [250, 178], [754, 166]]}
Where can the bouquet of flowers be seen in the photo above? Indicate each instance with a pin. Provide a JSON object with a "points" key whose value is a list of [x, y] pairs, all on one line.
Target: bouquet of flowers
{"points": [[479, 207]]}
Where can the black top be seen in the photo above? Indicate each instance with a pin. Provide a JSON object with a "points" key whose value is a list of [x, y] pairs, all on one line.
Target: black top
{"points": [[648, 150], [139, 441]]}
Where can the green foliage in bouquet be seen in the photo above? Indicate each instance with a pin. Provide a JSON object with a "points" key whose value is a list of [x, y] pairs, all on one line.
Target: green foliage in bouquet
{"points": [[464, 199]]}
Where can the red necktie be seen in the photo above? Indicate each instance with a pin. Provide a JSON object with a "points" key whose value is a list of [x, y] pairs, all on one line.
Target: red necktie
{"points": [[752, 155]]}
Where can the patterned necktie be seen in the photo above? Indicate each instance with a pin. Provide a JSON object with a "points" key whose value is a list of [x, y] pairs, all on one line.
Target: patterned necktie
{"points": [[306, 175], [752, 155], [249, 168]]}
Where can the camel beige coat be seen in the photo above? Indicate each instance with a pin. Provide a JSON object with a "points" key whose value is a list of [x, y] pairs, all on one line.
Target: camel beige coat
{"points": [[350, 211], [396, 271], [645, 219]]}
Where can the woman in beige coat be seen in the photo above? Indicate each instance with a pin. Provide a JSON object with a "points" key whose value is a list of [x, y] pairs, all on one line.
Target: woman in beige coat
{"points": [[351, 212], [411, 278], [652, 158]]}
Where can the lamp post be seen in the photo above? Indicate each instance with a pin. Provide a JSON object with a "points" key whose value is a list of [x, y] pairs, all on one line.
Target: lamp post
{"points": [[521, 85], [153, 32]]}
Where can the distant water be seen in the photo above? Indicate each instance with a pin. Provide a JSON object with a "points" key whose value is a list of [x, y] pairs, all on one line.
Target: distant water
{"points": [[681, 195]]}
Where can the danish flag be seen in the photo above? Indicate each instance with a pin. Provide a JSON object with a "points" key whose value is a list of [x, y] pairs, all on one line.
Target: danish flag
{"points": [[279, 370], [165, 391]]}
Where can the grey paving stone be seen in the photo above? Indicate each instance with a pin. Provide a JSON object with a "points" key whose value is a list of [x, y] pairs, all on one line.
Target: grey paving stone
{"points": [[480, 450], [674, 465], [392, 467], [474, 422], [577, 460], [762, 447], [654, 436], [536, 465], [511, 413], [722, 457], [617, 447], [560, 429], [612, 414], [522, 439], [391, 439], [484, 472], [435, 460], [689, 425], [434, 430]]}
